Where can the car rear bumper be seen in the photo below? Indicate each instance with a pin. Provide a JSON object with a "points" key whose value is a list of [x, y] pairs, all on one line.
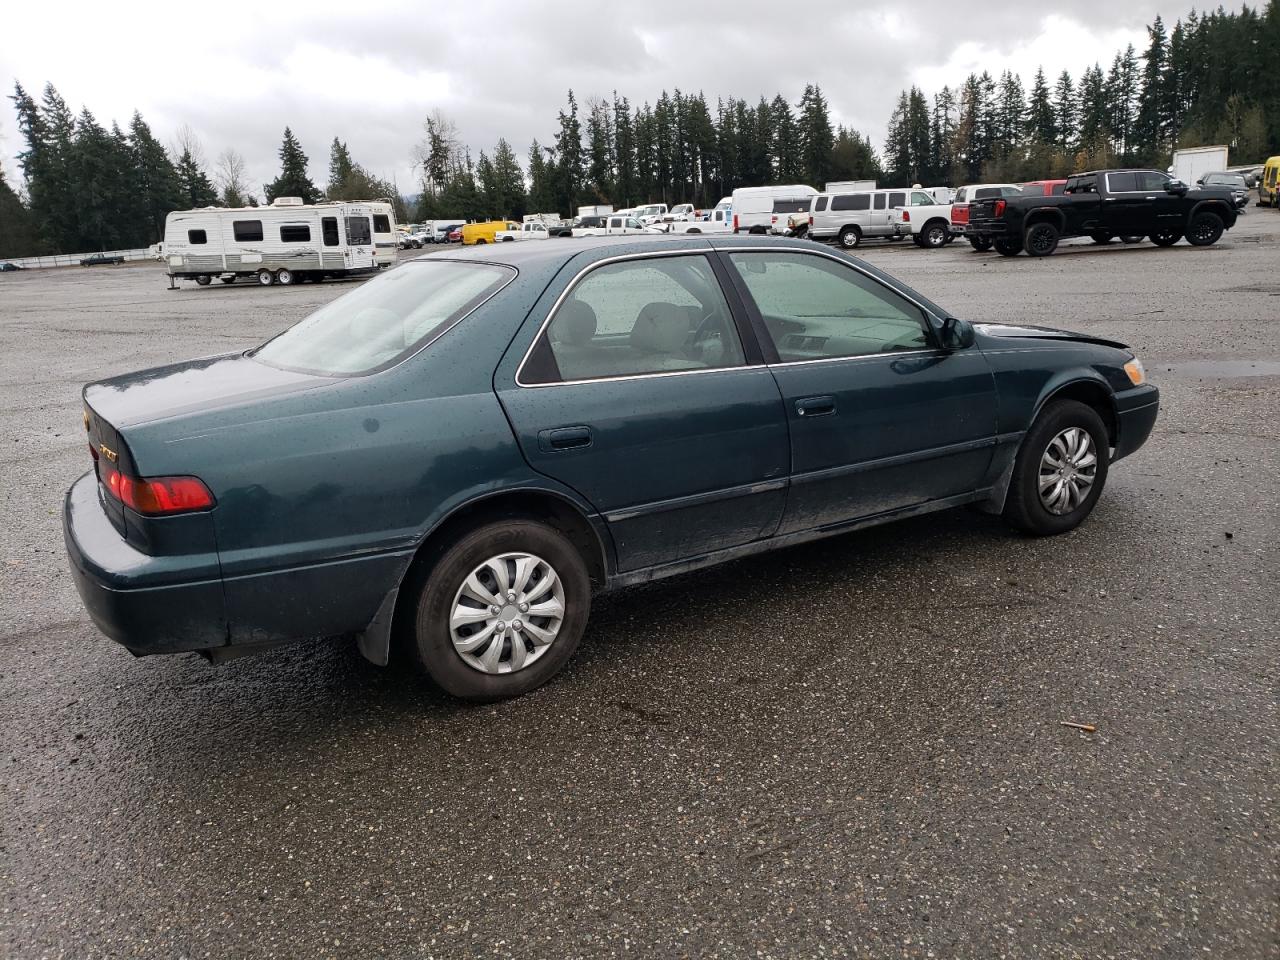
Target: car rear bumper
{"points": [[988, 228], [1136, 412], [140, 601]]}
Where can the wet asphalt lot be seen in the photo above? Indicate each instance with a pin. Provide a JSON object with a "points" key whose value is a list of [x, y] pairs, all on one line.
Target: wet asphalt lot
{"points": [[851, 748]]}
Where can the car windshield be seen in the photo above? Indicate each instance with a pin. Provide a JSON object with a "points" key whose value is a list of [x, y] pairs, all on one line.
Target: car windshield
{"points": [[385, 320]]}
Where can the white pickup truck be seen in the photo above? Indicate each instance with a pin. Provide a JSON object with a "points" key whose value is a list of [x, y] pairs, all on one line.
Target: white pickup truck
{"points": [[927, 221], [720, 220], [613, 225], [532, 230], [651, 213], [681, 212]]}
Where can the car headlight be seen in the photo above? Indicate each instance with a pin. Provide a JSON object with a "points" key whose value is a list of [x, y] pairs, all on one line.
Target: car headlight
{"points": [[1137, 375]]}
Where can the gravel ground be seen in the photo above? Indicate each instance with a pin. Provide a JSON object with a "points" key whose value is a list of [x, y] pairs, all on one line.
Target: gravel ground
{"points": [[851, 748]]}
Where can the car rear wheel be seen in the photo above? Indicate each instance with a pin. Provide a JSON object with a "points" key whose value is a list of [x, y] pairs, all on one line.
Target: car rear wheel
{"points": [[266, 278], [934, 235], [203, 279], [1166, 238], [1204, 229], [1041, 239], [850, 237], [1008, 246], [1060, 470], [502, 611], [981, 244], [1100, 237], [284, 276]]}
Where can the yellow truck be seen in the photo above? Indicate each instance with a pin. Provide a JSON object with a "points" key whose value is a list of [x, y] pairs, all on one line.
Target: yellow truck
{"points": [[484, 232], [1269, 183]]}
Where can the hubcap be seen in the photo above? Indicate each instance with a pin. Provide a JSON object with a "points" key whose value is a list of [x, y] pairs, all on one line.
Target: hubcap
{"points": [[507, 613], [1068, 469]]}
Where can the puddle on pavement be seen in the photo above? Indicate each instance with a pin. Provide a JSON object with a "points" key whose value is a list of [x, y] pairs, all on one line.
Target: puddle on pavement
{"points": [[1223, 369]]}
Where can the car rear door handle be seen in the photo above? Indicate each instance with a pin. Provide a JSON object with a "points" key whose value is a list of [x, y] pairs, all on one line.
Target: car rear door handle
{"points": [[816, 406], [564, 438]]}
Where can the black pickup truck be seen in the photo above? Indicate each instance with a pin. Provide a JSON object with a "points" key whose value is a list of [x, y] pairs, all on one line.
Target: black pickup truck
{"points": [[1103, 205]]}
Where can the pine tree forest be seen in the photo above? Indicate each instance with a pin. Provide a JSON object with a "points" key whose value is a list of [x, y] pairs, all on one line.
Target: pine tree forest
{"points": [[1208, 79]]}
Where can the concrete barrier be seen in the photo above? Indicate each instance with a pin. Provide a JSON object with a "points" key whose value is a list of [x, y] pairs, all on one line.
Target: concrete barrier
{"points": [[73, 259]]}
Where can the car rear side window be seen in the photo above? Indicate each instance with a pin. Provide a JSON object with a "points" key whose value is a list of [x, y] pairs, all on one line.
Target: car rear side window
{"points": [[197, 236], [385, 320], [897, 200], [851, 201], [649, 316], [817, 308], [247, 231]]}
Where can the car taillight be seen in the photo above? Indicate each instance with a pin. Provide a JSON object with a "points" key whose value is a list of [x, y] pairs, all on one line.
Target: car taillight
{"points": [[735, 223], [774, 218], [811, 220], [906, 216], [156, 496], [998, 209]]}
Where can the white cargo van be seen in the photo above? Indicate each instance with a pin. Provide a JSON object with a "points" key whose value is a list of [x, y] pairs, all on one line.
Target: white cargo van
{"points": [[850, 218], [756, 209]]}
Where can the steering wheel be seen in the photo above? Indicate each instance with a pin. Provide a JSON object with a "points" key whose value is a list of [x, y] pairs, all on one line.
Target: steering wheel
{"points": [[703, 331]]}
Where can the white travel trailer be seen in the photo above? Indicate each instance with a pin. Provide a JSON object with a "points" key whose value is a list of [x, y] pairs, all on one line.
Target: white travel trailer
{"points": [[756, 209], [386, 237], [284, 243]]}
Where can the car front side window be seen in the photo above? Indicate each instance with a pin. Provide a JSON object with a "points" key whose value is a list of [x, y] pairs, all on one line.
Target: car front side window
{"points": [[636, 317], [817, 308]]}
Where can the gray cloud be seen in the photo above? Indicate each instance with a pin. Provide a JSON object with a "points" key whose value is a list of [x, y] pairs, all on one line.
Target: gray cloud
{"points": [[370, 76]]}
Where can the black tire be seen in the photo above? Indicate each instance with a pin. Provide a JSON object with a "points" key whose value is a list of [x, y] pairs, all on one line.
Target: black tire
{"points": [[934, 235], [432, 643], [1132, 238], [1205, 229], [230, 279], [1100, 237], [204, 279], [982, 244], [917, 240], [1008, 246], [850, 237], [1041, 239], [266, 278], [1166, 238], [1023, 506], [284, 276]]}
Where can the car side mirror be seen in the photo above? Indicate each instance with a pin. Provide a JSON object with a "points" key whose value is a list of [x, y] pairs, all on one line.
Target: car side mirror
{"points": [[955, 334], [1175, 186]]}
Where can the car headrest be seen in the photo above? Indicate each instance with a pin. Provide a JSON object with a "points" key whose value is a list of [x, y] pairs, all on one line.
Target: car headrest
{"points": [[661, 328], [575, 323]]}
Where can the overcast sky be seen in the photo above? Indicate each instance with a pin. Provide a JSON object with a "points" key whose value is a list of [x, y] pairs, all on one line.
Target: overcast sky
{"points": [[369, 73]]}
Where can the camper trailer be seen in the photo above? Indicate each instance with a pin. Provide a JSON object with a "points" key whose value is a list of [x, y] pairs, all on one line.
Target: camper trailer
{"points": [[386, 235], [284, 243]]}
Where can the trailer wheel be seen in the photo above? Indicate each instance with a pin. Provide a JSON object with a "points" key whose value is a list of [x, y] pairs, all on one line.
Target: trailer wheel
{"points": [[284, 276], [266, 278], [203, 279], [230, 279]]}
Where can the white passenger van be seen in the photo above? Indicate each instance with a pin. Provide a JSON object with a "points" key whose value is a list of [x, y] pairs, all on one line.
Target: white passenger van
{"points": [[850, 218], [283, 243], [756, 209]]}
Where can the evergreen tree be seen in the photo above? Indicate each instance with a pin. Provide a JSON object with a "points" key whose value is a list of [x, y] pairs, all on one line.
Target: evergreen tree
{"points": [[853, 158], [942, 134], [1095, 111], [919, 141], [1150, 125], [784, 146], [156, 180], [196, 187], [19, 237], [568, 168], [508, 183], [294, 181], [1064, 112], [1010, 117], [599, 173], [1040, 126], [816, 135], [624, 152], [340, 168], [542, 190]]}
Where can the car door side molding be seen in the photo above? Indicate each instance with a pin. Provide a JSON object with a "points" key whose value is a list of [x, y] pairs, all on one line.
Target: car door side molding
{"points": [[695, 500], [845, 470]]}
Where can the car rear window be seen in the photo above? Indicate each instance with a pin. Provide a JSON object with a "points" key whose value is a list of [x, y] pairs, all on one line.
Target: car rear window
{"points": [[387, 319], [791, 206]]}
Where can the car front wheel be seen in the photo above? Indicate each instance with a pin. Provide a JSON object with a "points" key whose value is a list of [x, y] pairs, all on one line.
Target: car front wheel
{"points": [[502, 611], [1060, 470], [1204, 229]]}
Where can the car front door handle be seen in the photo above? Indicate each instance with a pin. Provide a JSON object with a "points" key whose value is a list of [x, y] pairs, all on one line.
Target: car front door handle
{"points": [[564, 438], [815, 407]]}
